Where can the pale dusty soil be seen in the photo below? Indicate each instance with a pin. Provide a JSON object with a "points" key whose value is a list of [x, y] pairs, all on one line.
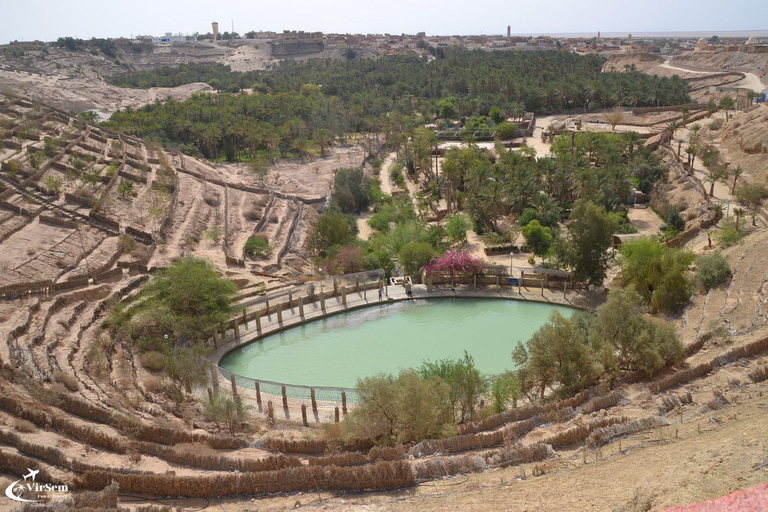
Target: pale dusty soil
{"points": [[645, 220], [80, 94], [707, 456]]}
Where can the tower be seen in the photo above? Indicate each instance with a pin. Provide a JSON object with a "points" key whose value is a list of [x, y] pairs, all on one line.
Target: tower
{"points": [[509, 31], [215, 26]]}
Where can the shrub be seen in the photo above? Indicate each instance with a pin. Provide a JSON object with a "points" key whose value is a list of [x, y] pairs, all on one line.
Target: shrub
{"points": [[152, 384], [257, 247], [657, 272], [152, 361], [127, 243], [23, 425], [401, 409], [712, 270], [68, 380], [252, 215], [125, 188]]}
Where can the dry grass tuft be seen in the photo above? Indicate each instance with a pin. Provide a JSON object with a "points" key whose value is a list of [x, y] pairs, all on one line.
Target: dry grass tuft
{"points": [[759, 374], [605, 435], [381, 476], [23, 425], [67, 380], [152, 361], [152, 384], [673, 401]]}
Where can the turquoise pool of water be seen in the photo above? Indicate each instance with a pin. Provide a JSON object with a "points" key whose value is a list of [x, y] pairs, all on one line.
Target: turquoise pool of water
{"points": [[339, 349]]}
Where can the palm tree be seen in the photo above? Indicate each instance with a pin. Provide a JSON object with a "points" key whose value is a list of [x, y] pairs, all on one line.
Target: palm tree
{"points": [[632, 139], [739, 213], [492, 201], [714, 175], [672, 128], [736, 172], [692, 150]]}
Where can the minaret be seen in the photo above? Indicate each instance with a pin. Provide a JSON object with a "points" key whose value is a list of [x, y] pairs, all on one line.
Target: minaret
{"points": [[509, 31], [215, 26]]}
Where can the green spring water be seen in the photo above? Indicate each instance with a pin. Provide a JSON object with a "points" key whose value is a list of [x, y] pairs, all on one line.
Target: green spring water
{"points": [[338, 350]]}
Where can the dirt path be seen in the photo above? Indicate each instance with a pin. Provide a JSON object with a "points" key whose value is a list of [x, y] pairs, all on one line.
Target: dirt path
{"points": [[667, 65], [752, 81]]}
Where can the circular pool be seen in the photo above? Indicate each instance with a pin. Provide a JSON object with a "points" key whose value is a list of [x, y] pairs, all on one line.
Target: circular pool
{"points": [[339, 349]]}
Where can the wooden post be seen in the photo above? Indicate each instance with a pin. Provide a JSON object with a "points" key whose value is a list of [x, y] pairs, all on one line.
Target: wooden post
{"points": [[258, 321], [290, 300], [210, 396], [215, 380], [322, 301], [312, 399], [279, 313], [237, 330], [267, 308], [542, 287], [336, 414], [285, 401], [497, 281], [343, 295], [474, 282], [245, 319], [335, 286], [304, 415], [301, 307], [258, 395], [270, 413], [344, 402], [429, 284], [520, 282], [234, 385]]}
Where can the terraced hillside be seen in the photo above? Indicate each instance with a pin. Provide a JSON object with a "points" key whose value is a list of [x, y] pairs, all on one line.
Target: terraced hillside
{"points": [[86, 214]]}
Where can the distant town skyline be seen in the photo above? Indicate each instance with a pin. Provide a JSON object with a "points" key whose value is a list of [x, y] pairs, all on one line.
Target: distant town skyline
{"points": [[48, 20]]}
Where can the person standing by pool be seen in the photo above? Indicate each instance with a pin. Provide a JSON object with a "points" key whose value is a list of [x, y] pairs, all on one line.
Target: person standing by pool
{"points": [[381, 294]]}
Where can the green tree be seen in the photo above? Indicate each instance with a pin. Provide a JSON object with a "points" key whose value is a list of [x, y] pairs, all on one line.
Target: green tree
{"points": [[504, 389], [538, 238], [415, 255], [557, 356], [751, 196], [626, 340], [659, 274], [711, 270], [727, 103], [394, 410], [257, 247], [584, 249], [330, 229], [456, 228], [464, 381], [349, 190], [227, 412], [189, 300]]}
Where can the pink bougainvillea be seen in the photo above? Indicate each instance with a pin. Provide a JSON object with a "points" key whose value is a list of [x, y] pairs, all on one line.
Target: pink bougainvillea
{"points": [[454, 263]]}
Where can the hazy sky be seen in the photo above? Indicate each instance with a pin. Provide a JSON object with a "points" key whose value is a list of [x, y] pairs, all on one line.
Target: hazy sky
{"points": [[49, 19]]}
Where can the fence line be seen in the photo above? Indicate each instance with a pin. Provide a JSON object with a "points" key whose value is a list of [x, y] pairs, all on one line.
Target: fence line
{"points": [[258, 392]]}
